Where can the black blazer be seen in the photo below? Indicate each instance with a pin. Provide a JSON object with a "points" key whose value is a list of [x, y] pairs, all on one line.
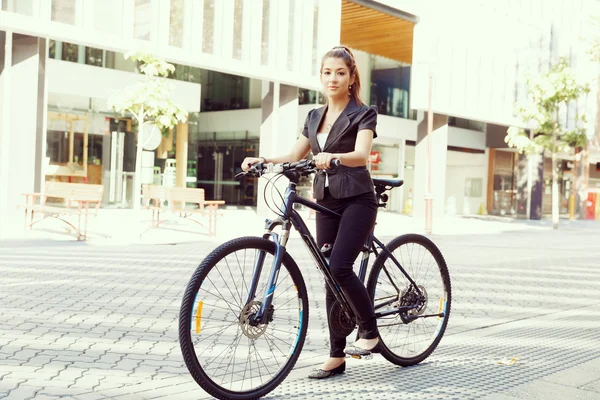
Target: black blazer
{"points": [[346, 181]]}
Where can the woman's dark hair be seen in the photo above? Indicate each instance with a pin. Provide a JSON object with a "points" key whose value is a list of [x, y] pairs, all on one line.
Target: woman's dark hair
{"points": [[345, 54]]}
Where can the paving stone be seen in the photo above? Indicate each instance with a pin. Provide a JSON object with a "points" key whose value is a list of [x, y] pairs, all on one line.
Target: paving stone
{"points": [[23, 392], [118, 307]]}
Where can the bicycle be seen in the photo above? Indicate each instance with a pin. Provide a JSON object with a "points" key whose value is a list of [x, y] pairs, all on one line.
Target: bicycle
{"points": [[242, 327]]}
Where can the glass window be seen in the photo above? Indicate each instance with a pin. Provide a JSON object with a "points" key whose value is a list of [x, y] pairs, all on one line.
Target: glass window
{"points": [[52, 49], [24, 7], [466, 124], [291, 29], [222, 91], [390, 87], [266, 12], [238, 29], [186, 73], [315, 37], [142, 19], [208, 26], [176, 23], [94, 56], [70, 52], [306, 96], [63, 11]]}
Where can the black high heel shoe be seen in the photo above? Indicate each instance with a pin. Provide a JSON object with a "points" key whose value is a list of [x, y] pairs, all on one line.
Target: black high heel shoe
{"points": [[322, 374]]}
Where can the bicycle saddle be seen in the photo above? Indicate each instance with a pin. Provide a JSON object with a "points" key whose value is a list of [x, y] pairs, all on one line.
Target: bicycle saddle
{"points": [[392, 183]]}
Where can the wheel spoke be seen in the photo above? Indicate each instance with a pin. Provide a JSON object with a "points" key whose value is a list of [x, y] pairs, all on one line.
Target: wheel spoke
{"points": [[232, 353], [412, 342]]}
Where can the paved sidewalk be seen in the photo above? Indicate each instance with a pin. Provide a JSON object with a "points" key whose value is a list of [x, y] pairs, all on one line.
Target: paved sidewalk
{"points": [[98, 319], [125, 226]]}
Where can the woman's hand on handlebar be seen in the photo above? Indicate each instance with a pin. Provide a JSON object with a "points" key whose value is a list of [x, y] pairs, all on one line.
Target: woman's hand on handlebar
{"points": [[323, 160], [249, 162]]}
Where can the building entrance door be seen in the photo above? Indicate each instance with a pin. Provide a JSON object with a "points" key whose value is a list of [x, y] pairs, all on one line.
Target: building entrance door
{"points": [[217, 164]]}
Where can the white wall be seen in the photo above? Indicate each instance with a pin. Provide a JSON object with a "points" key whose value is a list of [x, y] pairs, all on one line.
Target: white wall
{"points": [[472, 58], [393, 129], [88, 81], [460, 167], [461, 137], [479, 66], [231, 121]]}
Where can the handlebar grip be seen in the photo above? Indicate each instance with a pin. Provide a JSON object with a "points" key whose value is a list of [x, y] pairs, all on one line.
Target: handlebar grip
{"points": [[335, 162]]}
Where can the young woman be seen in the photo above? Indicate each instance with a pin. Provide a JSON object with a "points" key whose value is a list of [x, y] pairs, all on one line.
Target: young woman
{"points": [[344, 129]]}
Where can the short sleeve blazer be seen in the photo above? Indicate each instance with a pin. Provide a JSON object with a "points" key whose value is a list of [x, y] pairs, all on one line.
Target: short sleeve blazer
{"points": [[346, 181]]}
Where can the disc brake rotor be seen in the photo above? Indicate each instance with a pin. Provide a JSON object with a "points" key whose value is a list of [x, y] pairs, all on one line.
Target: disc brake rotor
{"points": [[248, 313], [410, 296]]}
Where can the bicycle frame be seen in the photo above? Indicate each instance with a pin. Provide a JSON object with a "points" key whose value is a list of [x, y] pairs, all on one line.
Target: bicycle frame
{"points": [[290, 218]]}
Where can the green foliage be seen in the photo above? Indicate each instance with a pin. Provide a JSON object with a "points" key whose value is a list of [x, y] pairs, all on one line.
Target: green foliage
{"points": [[547, 92], [594, 41], [151, 99]]}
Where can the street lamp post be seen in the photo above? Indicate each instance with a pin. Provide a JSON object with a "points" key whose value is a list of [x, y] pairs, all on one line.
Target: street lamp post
{"points": [[428, 195]]}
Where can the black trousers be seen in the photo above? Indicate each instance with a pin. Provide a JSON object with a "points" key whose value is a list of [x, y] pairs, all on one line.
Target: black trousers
{"points": [[348, 235]]}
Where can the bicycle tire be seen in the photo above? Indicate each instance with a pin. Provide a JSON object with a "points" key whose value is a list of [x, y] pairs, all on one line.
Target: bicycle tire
{"points": [[191, 358], [377, 279]]}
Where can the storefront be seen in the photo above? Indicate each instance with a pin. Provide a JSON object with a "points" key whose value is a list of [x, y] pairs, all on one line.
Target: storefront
{"points": [[508, 184], [93, 148], [504, 174]]}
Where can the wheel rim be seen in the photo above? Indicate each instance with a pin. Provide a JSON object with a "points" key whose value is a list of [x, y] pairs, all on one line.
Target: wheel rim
{"points": [[232, 353], [415, 338]]}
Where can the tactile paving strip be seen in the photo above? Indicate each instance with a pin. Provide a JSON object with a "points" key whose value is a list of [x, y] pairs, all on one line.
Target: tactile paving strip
{"points": [[462, 371]]}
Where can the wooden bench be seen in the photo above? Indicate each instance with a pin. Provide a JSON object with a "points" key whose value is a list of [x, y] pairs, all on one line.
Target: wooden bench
{"points": [[154, 197], [75, 199], [179, 200]]}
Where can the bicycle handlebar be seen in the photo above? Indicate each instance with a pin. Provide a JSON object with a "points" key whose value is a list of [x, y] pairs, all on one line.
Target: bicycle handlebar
{"points": [[304, 167]]}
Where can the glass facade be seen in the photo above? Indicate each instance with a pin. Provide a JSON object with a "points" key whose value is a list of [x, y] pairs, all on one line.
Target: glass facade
{"points": [[142, 19], [208, 27], [94, 56], [466, 124], [176, 23], [23, 7], [291, 32], [63, 11], [307, 96], [70, 52], [90, 56], [390, 88], [213, 161], [222, 91], [315, 37], [238, 25], [264, 49], [504, 185]]}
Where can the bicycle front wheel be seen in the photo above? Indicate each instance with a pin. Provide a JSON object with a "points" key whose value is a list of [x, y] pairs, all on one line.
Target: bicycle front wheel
{"points": [[227, 355], [410, 343]]}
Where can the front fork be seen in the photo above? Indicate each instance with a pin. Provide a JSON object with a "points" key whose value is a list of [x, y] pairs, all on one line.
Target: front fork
{"points": [[261, 316]]}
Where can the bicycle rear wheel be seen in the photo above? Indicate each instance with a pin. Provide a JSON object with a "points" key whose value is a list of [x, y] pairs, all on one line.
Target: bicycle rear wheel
{"points": [[226, 355], [409, 344]]}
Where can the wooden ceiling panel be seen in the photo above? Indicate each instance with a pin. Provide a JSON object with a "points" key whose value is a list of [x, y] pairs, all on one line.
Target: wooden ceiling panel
{"points": [[375, 32]]}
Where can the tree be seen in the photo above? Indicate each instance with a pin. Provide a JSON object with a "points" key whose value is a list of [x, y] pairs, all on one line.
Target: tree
{"points": [[148, 101], [547, 93]]}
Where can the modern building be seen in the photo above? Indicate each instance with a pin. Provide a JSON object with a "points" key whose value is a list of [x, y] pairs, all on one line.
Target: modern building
{"points": [[248, 72]]}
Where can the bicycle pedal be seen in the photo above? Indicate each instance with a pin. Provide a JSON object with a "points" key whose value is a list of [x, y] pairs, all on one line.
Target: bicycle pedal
{"points": [[359, 357]]}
